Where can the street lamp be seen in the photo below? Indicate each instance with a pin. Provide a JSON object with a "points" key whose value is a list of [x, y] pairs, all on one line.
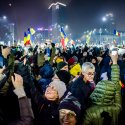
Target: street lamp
{"points": [[100, 32], [104, 19], [12, 30], [4, 18]]}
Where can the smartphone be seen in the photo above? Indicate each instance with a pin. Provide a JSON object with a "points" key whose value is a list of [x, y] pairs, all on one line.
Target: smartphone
{"points": [[1, 62], [114, 52], [26, 49]]}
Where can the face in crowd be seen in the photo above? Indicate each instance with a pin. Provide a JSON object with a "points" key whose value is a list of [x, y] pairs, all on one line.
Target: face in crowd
{"points": [[51, 93], [67, 117], [88, 71]]}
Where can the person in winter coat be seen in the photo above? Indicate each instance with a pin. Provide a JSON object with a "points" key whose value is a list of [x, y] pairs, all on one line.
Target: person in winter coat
{"points": [[48, 103], [106, 100], [74, 67], [62, 66], [26, 114], [83, 86], [105, 69], [97, 69], [69, 111], [46, 73]]}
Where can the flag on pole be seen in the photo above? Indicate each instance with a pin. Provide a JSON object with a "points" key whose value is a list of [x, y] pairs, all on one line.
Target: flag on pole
{"points": [[63, 43], [26, 39], [64, 39], [88, 37], [116, 33], [32, 31]]}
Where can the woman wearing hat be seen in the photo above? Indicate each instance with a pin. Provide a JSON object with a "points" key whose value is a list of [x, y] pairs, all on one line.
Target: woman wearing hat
{"points": [[48, 103], [69, 111]]}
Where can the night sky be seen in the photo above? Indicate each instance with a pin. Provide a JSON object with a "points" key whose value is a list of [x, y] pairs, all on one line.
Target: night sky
{"points": [[80, 15]]}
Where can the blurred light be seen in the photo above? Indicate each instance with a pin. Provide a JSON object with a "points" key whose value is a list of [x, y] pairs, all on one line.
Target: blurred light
{"points": [[50, 29], [104, 19], [10, 4], [4, 17], [40, 29], [66, 26]]}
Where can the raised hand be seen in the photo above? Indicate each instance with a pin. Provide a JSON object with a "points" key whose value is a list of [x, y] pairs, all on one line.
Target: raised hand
{"points": [[17, 81]]}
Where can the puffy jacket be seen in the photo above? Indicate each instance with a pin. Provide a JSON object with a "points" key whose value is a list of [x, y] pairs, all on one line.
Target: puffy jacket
{"points": [[46, 73], [105, 98]]}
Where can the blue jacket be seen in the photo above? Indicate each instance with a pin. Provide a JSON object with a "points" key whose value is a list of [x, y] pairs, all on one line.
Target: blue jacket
{"points": [[46, 73]]}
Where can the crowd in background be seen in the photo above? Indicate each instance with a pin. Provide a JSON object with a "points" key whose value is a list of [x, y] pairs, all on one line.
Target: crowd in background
{"points": [[56, 86]]}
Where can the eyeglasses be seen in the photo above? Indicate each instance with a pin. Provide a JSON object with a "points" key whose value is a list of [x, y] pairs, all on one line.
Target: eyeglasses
{"points": [[90, 73], [70, 114]]}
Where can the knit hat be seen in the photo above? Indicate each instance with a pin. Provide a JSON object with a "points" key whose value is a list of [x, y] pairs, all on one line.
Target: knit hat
{"points": [[71, 61], [60, 65], [71, 103], [64, 76], [60, 87]]}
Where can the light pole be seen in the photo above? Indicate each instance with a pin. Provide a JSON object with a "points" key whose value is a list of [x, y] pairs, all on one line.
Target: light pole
{"points": [[12, 32], [3, 18], [100, 32]]}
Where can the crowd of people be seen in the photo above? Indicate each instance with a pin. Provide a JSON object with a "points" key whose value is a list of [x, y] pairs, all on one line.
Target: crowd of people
{"points": [[56, 86]]}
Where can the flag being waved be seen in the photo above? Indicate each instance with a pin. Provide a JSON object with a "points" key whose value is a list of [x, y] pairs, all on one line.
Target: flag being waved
{"points": [[64, 39], [116, 33], [26, 39], [32, 31]]}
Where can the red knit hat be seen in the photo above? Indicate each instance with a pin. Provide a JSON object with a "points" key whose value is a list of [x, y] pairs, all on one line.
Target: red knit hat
{"points": [[71, 61]]}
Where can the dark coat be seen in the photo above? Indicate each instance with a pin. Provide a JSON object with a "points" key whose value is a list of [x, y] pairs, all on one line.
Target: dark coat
{"points": [[81, 91], [48, 114], [26, 114], [47, 111]]}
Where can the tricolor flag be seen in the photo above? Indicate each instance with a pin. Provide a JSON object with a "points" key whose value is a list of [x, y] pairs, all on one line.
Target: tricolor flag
{"points": [[116, 33], [32, 31], [64, 38], [26, 39]]}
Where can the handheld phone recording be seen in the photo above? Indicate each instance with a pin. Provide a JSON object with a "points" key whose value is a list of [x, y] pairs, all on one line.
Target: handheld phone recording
{"points": [[114, 51], [1, 62]]}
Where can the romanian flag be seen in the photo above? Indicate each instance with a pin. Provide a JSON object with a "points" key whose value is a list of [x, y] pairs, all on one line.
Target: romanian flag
{"points": [[64, 39], [32, 31], [63, 35], [116, 33], [26, 39]]}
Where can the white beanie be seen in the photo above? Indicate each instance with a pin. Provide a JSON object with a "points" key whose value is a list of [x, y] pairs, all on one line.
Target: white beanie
{"points": [[60, 87]]}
